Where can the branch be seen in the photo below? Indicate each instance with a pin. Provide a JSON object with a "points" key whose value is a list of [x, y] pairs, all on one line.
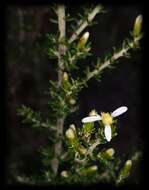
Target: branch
{"points": [[115, 56], [61, 51], [92, 147], [61, 48], [80, 161], [89, 152], [84, 24]]}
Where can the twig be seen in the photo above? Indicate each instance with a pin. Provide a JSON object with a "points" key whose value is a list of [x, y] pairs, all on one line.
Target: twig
{"points": [[115, 56], [92, 147], [82, 161], [84, 24], [89, 152]]}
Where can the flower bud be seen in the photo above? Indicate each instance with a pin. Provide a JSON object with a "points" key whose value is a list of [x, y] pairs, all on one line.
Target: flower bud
{"points": [[70, 134], [137, 26], [125, 171], [88, 170], [92, 168], [72, 101], [128, 164], [93, 113], [83, 40], [110, 152], [81, 149], [64, 174], [72, 126], [65, 76]]}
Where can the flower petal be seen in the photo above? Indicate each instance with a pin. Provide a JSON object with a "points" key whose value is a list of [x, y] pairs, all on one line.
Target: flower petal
{"points": [[119, 111], [108, 132], [91, 119]]}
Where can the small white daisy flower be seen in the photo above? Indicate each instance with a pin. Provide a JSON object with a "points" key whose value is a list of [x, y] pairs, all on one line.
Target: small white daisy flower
{"points": [[107, 120]]}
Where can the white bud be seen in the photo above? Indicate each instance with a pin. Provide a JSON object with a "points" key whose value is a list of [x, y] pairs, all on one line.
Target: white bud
{"points": [[72, 126], [72, 101], [86, 35], [83, 40], [93, 113], [70, 134], [65, 76], [64, 174]]}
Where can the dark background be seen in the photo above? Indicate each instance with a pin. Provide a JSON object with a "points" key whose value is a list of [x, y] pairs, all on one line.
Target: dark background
{"points": [[28, 70]]}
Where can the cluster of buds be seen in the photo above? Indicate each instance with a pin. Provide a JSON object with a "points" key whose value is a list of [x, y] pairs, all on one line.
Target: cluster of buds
{"points": [[71, 135]]}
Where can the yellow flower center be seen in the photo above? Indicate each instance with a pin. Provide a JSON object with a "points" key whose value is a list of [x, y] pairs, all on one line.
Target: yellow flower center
{"points": [[106, 118]]}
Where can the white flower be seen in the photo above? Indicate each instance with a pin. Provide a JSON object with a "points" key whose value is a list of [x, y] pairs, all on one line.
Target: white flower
{"points": [[107, 120]]}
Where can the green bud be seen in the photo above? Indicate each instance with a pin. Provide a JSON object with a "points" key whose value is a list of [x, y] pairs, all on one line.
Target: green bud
{"points": [[125, 171], [137, 26], [92, 169], [88, 170], [81, 149], [110, 152], [128, 164], [83, 40]]}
